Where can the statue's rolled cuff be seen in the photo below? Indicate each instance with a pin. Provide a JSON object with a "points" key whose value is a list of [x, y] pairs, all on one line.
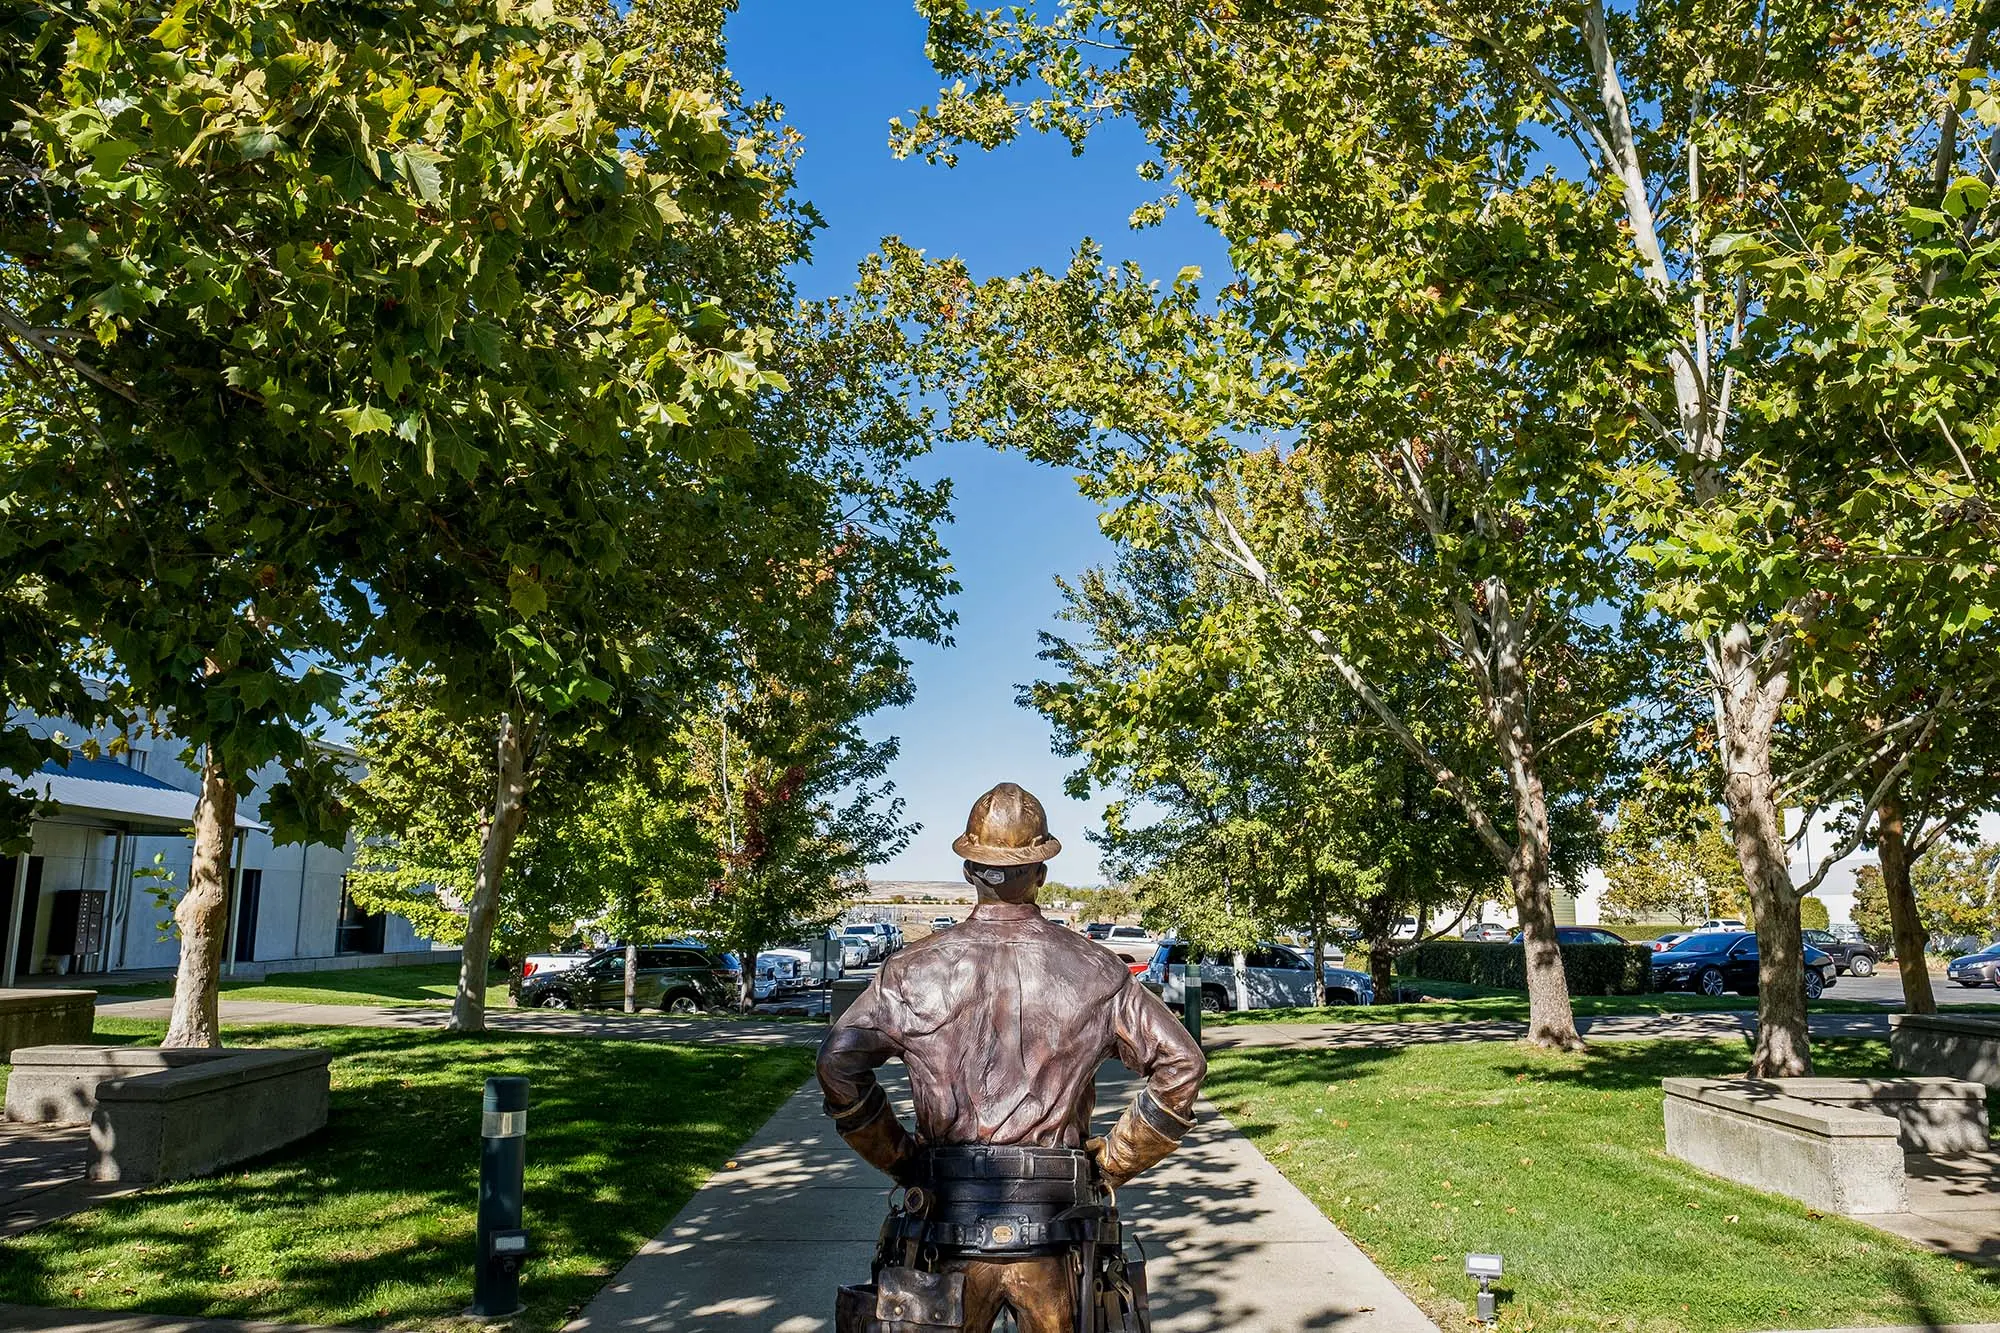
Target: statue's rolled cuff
{"points": [[1143, 1136]]}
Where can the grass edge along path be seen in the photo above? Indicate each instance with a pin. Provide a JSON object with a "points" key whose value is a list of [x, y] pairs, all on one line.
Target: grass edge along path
{"points": [[1558, 1162], [409, 983], [1452, 1001], [371, 1222]]}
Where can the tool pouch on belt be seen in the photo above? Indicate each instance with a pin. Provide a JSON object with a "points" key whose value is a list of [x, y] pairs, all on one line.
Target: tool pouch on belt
{"points": [[902, 1300]]}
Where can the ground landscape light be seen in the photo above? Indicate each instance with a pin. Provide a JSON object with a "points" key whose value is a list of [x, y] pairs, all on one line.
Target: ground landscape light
{"points": [[1485, 1267]]}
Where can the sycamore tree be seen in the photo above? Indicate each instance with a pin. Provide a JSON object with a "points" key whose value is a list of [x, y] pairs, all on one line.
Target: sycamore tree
{"points": [[213, 213], [1905, 760], [1708, 186], [1396, 531], [1254, 792]]}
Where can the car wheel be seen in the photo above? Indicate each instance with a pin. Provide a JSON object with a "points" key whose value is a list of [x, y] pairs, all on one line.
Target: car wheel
{"points": [[680, 1002], [1342, 997], [1861, 965], [554, 999], [1711, 982], [1815, 985], [1213, 1000]]}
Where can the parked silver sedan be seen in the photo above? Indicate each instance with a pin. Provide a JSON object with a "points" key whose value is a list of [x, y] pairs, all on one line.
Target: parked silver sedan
{"points": [[1976, 969], [1274, 977]]}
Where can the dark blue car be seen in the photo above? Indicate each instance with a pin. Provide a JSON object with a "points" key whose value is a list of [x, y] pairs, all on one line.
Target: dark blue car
{"points": [[1713, 962]]}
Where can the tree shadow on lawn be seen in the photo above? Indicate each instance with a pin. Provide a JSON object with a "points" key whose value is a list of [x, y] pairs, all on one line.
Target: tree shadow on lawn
{"points": [[373, 1218], [1238, 1075], [1612, 1066]]}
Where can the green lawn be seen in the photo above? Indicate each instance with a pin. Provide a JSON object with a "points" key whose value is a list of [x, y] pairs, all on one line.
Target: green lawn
{"points": [[1558, 1163], [372, 1221], [424, 983]]}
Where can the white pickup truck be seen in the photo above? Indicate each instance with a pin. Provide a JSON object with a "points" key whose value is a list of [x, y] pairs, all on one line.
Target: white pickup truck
{"points": [[1135, 944], [538, 964]]}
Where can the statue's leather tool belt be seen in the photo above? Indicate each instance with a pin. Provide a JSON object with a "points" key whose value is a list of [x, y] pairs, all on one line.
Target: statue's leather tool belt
{"points": [[981, 1200]]}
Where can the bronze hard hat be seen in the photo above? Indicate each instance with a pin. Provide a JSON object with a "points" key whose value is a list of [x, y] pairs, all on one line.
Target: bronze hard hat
{"points": [[1007, 827]]}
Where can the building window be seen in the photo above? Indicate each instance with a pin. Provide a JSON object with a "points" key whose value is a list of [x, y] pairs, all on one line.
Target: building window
{"points": [[358, 931], [249, 896]]}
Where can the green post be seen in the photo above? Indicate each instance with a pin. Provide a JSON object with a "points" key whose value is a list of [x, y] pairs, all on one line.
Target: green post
{"points": [[1191, 997]]}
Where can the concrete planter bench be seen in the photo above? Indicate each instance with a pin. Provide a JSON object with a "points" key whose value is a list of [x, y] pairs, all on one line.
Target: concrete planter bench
{"points": [[1947, 1044], [1828, 1157], [45, 1018], [169, 1114], [1831, 1143]]}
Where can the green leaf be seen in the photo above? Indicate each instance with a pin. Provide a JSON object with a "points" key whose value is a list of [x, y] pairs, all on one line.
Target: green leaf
{"points": [[526, 594], [419, 166], [364, 420]]}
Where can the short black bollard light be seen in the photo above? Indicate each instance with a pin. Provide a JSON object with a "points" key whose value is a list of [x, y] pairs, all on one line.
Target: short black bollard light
{"points": [[503, 1163], [1191, 997]]}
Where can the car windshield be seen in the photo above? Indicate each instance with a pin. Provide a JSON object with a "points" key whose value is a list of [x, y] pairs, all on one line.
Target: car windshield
{"points": [[1987, 952]]}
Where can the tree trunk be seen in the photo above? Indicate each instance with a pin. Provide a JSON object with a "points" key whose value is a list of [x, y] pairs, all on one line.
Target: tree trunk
{"points": [[1747, 704], [510, 812], [631, 977], [202, 915], [1318, 941], [746, 980], [1551, 1018], [1905, 924], [1382, 968]]}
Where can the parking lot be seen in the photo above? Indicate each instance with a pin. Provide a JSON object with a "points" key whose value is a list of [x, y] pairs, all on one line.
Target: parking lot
{"points": [[1886, 988]]}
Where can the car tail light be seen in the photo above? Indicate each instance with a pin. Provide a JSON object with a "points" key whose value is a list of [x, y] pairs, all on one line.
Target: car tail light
{"points": [[528, 970]]}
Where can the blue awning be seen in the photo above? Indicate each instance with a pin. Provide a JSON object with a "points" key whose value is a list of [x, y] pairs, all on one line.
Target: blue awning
{"points": [[107, 794]]}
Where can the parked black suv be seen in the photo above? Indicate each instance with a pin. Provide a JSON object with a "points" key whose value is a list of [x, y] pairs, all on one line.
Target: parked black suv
{"points": [[676, 979], [1856, 956]]}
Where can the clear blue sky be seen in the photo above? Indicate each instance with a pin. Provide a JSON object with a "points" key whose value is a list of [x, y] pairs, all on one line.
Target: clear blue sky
{"points": [[842, 71]]}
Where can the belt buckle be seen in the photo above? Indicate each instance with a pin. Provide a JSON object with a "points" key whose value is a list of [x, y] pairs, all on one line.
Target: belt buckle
{"points": [[1002, 1231]]}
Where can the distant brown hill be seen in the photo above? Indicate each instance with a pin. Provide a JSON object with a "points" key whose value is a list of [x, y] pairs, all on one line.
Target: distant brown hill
{"points": [[916, 890]]}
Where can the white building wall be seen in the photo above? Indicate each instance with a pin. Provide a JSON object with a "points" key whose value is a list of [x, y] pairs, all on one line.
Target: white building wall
{"points": [[299, 899]]}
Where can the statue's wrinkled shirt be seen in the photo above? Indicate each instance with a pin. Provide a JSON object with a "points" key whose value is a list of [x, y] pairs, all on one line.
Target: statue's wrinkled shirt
{"points": [[1003, 1021]]}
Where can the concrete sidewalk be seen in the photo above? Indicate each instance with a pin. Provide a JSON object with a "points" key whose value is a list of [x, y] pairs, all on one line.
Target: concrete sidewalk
{"points": [[768, 1032], [540, 1022], [1232, 1245]]}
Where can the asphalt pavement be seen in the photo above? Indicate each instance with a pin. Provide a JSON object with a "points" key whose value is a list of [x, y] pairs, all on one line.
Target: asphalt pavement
{"points": [[1886, 988]]}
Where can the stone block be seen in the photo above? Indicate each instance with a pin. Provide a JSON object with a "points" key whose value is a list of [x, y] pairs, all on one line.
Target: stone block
{"points": [[1827, 1157], [1934, 1115], [1947, 1045], [169, 1114], [45, 1018]]}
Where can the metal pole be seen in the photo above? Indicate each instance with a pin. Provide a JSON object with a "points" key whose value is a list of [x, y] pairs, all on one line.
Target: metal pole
{"points": [[14, 916], [1191, 995], [503, 1162], [235, 898]]}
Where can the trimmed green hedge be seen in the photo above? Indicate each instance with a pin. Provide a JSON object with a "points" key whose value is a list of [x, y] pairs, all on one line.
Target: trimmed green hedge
{"points": [[1593, 969]]}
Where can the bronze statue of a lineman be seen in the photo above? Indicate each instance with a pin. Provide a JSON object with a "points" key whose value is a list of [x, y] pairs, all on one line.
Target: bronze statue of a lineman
{"points": [[1002, 1022]]}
